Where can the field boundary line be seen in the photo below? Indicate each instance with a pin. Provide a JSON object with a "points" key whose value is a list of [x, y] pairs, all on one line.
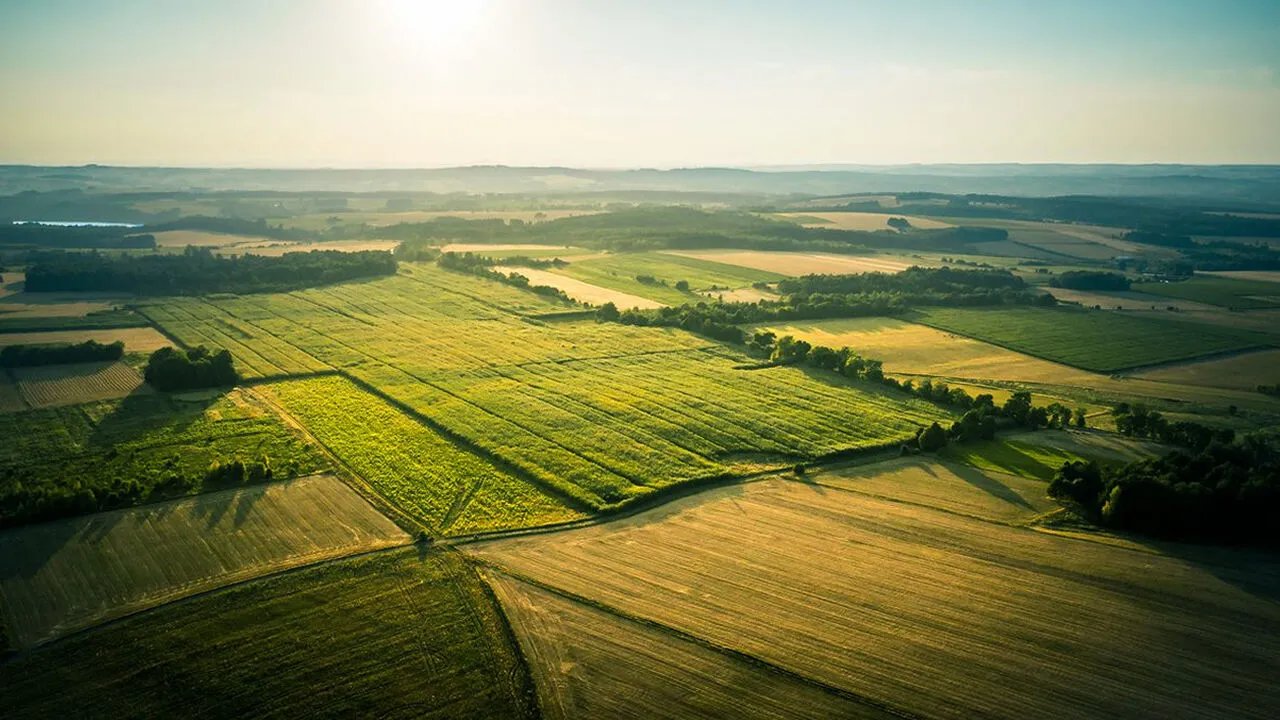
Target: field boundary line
{"points": [[732, 653]]}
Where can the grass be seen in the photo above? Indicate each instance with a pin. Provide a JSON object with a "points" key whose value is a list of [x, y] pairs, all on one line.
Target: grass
{"points": [[928, 613], [619, 272], [1245, 372], [135, 339], [858, 220], [54, 385], [393, 635], [1039, 455], [1220, 291], [1094, 340], [447, 488], [801, 263], [603, 412], [141, 448], [101, 320], [61, 576]]}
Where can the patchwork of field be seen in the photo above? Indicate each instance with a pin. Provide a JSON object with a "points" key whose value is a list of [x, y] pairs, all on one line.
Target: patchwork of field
{"points": [[859, 220], [1094, 242], [54, 385], [588, 663], [601, 412], [61, 576], [199, 238], [275, 248], [390, 636], [800, 263], [929, 613], [583, 292], [619, 272], [1090, 339], [1223, 292], [144, 447], [1245, 372], [138, 339], [445, 487]]}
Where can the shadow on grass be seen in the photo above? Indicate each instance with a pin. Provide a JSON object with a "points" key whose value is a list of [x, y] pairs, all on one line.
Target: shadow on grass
{"points": [[990, 485]]}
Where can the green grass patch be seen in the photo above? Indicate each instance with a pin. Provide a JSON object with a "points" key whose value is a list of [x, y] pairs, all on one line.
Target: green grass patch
{"points": [[103, 320], [1224, 292], [1096, 340], [388, 636], [1038, 455], [619, 272]]}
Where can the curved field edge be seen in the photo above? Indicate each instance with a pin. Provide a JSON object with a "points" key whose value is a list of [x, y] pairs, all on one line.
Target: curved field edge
{"points": [[396, 634], [66, 575]]}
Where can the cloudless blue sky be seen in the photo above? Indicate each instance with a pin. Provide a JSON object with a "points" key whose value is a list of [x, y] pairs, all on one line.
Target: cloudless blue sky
{"points": [[661, 83]]}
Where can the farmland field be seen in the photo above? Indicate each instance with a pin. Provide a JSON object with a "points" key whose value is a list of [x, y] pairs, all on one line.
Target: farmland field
{"points": [[583, 291], [588, 663], [602, 412], [1246, 371], [1269, 276], [801, 263], [272, 248], [10, 399], [1090, 339], [929, 613], [1144, 302], [447, 488], [388, 636], [198, 238], [61, 576], [1223, 292], [143, 447], [859, 220], [137, 339], [619, 272], [1040, 454], [53, 385]]}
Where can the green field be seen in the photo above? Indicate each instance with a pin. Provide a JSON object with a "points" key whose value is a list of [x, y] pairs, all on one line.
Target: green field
{"points": [[443, 486], [75, 459], [63, 575], [388, 636], [1095, 340], [618, 272], [1220, 291], [1039, 455], [603, 413]]}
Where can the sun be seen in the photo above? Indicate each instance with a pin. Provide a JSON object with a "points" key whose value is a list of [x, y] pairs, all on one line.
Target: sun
{"points": [[435, 27]]}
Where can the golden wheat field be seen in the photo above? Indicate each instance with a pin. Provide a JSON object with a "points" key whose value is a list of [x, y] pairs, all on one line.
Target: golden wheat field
{"points": [[199, 238], [141, 340], [580, 290], [59, 576], [860, 220], [802, 263], [926, 612]]}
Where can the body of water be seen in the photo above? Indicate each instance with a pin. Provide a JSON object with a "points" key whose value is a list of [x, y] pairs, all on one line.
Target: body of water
{"points": [[75, 223]]}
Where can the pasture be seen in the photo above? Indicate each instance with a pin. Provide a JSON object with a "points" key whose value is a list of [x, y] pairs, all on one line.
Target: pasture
{"points": [[802, 263], [1094, 340], [589, 663], [54, 385], [115, 453], [1230, 293], [929, 613], [65, 575], [620, 272], [135, 339], [390, 636], [858, 220], [1245, 371], [604, 413], [445, 487]]}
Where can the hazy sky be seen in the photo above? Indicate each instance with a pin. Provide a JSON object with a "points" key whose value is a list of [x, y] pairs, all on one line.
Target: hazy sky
{"points": [[379, 83]]}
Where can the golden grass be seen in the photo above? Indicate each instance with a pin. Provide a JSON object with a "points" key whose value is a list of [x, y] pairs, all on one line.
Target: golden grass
{"points": [[800, 263], [276, 248], [54, 385], [198, 238], [1134, 301], [143, 340], [582, 291], [860, 220], [589, 663], [60, 576], [1244, 372], [932, 613]]}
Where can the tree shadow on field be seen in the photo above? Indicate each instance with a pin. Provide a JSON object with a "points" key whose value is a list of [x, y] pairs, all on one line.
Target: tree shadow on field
{"points": [[145, 412], [989, 485], [1251, 569]]}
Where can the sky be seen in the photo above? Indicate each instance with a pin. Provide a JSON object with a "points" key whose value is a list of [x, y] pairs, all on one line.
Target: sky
{"points": [[658, 83]]}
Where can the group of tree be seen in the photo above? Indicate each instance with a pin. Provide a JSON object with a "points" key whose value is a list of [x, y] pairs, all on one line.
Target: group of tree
{"points": [[32, 235], [1222, 491], [87, 351], [1140, 421], [476, 264], [199, 271], [832, 296], [1273, 390], [1090, 280], [172, 369]]}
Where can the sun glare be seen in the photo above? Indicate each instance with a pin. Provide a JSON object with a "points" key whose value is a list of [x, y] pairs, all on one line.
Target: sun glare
{"points": [[435, 28]]}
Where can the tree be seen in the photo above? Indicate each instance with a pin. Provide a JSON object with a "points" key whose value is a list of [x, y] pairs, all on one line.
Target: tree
{"points": [[1017, 407], [682, 285], [933, 438], [1079, 417], [607, 312], [790, 350]]}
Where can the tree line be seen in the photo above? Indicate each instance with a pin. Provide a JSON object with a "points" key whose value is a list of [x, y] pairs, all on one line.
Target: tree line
{"points": [[87, 351], [198, 271], [1090, 280], [483, 267], [55, 236]]}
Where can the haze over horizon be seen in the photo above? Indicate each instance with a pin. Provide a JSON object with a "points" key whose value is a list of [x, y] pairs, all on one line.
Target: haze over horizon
{"points": [[396, 83]]}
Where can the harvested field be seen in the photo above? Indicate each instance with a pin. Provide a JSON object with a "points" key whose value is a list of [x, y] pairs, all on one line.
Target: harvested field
{"points": [[276, 248], [931, 613], [799, 263], [139, 340], [61, 576], [54, 385], [620, 271], [1245, 371], [532, 249], [588, 663], [582, 291], [859, 220], [748, 294], [394, 635], [1127, 301], [199, 238]]}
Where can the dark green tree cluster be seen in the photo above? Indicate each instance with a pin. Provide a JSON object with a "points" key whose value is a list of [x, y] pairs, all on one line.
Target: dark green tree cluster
{"points": [[87, 351], [172, 370], [1273, 390], [31, 235], [1139, 421], [198, 271], [1090, 280], [1223, 491]]}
